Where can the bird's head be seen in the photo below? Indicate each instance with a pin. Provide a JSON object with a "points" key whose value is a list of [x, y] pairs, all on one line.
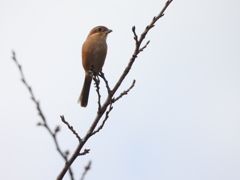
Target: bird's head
{"points": [[100, 32]]}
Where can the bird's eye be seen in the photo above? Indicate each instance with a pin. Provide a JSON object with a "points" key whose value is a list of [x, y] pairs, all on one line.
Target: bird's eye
{"points": [[99, 29]]}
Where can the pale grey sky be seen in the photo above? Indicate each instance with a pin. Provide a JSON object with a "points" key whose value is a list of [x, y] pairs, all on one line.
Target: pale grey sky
{"points": [[180, 122]]}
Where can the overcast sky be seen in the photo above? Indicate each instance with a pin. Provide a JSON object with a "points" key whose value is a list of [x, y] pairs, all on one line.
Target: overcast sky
{"points": [[181, 121]]}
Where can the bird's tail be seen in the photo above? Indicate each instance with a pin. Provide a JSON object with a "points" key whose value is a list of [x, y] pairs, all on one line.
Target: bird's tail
{"points": [[83, 99]]}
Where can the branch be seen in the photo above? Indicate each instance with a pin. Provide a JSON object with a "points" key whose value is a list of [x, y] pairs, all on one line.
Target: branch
{"points": [[71, 128], [138, 44], [105, 119], [40, 113], [141, 49], [96, 83], [101, 74], [124, 92], [87, 168], [86, 151]]}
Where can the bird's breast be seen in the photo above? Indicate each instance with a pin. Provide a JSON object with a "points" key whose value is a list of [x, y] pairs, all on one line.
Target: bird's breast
{"points": [[94, 54]]}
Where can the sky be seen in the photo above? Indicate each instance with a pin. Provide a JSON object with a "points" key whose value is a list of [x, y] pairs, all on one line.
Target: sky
{"points": [[180, 121]]}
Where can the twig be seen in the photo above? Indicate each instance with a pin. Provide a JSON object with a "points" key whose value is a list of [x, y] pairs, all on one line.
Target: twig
{"points": [[101, 74], [87, 168], [29, 88], [142, 48], [138, 44], [124, 92], [44, 124], [86, 151], [135, 34], [97, 82], [71, 128], [105, 119]]}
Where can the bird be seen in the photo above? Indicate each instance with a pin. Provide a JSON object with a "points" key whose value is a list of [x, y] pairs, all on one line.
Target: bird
{"points": [[94, 51]]}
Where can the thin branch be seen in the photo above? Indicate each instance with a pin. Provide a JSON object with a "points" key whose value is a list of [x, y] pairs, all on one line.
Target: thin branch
{"points": [[135, 34], [138, 44], [86, 151], [101, 74], [97, 82], [124, 92], [87, 168], [142, 48], [29, 88], [105, 119], [71, 128], [40, 113]]}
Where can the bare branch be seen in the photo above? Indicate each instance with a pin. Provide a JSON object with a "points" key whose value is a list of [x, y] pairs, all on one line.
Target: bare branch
{"points": [[124, 92], [101, 74], [66, 153], [29, 88], [142, 48], [86, 151], [135, 34], [96, 83], [71, 128], [87, 168], [105, 119], [40, 113]]}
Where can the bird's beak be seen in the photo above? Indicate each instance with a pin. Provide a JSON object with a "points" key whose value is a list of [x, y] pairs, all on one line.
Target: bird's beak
{"points": [[109, 30]]}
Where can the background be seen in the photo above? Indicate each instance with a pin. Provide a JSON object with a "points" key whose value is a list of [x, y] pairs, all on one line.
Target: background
{"points": [[181, 120]]}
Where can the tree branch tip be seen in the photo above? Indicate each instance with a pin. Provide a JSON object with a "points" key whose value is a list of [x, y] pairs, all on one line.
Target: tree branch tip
{"points": [[133, 28], [13, 55], [86, 151], [135, 34], [57, 129], [88, 166], [66, 152], [39, 124]]}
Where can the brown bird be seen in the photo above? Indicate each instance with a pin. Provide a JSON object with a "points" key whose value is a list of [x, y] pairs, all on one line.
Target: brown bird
{"points": [[94, 51]]}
